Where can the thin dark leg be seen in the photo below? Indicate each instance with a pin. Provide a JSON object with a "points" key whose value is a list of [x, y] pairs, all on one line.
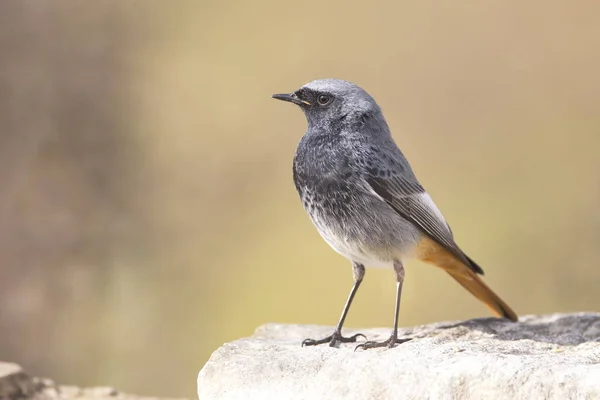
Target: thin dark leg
{"points": [[393, 340], [336, 337]]}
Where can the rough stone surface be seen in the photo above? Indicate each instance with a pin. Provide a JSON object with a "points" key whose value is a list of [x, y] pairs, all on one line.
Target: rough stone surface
{"points": [[15, 384], [541, 357]]}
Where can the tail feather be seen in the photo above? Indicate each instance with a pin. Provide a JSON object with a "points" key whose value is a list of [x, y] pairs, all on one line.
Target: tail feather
{"points": [[475, 285], [433, 253]]}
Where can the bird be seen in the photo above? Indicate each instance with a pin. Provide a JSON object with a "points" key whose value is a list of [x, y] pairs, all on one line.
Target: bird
{"points": [[364, 199]]}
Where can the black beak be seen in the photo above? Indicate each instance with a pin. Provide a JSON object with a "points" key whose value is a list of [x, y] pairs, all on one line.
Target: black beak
{"points": [[292, 98]]}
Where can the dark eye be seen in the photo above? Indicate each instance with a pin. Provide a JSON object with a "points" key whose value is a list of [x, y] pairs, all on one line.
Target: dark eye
{"points": [[323, 99]]}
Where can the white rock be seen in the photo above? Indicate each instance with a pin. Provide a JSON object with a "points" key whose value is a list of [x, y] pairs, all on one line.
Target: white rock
{"points": [[541, 357]]}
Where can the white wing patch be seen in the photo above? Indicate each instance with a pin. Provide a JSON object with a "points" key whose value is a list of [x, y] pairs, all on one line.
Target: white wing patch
{"points": [[428, 203]]}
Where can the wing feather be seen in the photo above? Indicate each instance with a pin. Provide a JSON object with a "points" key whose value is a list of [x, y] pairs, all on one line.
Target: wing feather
{"points": [[408, 198]]}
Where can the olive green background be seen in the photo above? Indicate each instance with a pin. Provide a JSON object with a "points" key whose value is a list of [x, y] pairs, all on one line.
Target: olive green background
{"points": [[147, 211]]}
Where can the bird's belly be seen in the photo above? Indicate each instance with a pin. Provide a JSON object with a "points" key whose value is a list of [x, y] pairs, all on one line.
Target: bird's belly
{"points": [[372, 234], [354, 251]]}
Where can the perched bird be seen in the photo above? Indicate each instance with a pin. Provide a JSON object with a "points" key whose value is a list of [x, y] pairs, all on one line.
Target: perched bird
{"points": [[364, 199]]}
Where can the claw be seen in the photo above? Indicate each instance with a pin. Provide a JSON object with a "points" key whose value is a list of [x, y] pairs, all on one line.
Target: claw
{"points": [[357, 336], [333, 339], [391, 342]]}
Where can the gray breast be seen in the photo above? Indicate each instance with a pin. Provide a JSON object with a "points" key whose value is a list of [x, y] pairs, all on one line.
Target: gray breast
{"points": [[354, 221]]}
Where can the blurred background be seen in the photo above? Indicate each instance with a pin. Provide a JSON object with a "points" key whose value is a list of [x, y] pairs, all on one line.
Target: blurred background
{"points": [[147, 210]]}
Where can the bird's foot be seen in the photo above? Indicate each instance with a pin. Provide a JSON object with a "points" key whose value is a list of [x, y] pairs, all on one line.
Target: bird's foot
{"points": [[391, 342], [333, 339]]}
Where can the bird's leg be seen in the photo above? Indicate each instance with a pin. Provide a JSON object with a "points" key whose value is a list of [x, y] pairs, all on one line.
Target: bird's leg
{"points": [[393, 339], [336, 337]]}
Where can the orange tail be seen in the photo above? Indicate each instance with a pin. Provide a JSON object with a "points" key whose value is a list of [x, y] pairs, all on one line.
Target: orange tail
{"points": [[433, 253], [475, 285]]}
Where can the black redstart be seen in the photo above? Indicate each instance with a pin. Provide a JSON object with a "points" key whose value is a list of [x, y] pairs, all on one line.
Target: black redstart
{"points": [[364, 199]]}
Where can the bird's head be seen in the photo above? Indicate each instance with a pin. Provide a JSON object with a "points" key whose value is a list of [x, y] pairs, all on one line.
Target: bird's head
{"points": [[329, 103]]}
